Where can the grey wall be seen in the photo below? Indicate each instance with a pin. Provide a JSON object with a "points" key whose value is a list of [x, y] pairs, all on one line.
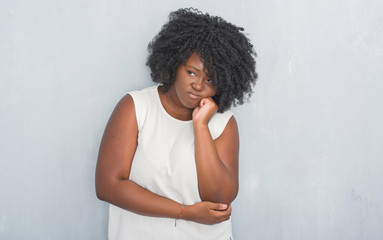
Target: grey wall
{"points": [[311, 137]]}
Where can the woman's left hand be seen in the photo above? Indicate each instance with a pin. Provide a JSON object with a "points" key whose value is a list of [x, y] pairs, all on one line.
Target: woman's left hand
{"points": [[204, 111]]}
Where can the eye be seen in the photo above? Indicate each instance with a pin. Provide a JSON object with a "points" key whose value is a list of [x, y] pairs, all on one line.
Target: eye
{"points": [[191, 73], [210, 81]]}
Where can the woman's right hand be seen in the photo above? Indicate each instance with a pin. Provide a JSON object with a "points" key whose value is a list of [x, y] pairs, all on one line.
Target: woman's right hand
{"points": [[207, 212]]}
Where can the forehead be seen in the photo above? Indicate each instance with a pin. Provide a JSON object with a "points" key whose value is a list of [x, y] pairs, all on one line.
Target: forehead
{"points": [[195, 61]]}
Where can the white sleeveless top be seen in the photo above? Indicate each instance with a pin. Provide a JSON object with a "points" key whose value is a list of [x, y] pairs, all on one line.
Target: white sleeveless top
{"points": [[164, 163]]}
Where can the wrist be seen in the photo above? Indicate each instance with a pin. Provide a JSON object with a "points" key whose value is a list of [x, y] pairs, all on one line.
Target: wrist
{"points": [[180, 215], [200, 124], [188, 213]]}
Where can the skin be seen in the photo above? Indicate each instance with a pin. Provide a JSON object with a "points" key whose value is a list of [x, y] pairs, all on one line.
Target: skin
{"points": [[189, 98]]}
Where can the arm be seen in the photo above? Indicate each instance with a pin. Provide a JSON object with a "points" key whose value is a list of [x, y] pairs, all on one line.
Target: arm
{"points": [[217, 161], [116, 153]]}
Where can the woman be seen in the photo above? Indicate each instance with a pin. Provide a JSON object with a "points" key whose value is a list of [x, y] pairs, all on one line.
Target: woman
{"points": [[168, 160]]}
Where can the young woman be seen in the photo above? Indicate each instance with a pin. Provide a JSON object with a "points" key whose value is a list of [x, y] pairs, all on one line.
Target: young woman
{"points": [[168, 160]]}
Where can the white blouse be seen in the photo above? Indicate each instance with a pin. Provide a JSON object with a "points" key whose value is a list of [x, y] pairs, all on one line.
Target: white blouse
{"points": [[164, 163]]}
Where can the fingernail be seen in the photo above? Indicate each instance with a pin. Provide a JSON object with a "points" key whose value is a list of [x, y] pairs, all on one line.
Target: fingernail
{"points": [[224, 206]]}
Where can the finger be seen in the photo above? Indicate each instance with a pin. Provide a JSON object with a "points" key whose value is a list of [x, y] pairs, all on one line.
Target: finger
{"points": [[226, 218], [210, 99], [220, 215], [229, 209], [203, 102], [207, 100], [219, 207]]}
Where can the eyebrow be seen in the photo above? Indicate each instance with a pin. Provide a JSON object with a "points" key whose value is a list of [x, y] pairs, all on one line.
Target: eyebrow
{"points": [[194, 68]]}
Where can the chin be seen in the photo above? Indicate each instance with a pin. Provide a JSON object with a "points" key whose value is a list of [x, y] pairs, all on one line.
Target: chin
{"points": [[190, 104]]}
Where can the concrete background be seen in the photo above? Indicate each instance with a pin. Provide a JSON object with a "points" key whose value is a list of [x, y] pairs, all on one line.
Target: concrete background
{"points": [[311, 136]]}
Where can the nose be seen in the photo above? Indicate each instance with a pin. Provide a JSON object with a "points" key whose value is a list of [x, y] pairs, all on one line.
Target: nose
{"points": [[197, 84]]}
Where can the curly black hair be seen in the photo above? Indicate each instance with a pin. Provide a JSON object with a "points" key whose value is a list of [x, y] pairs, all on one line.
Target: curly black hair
{"points": [[227, 54]]}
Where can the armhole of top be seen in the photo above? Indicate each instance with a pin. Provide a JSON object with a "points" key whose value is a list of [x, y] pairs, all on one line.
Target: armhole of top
{"points": [[219, 123], [136, 103]]}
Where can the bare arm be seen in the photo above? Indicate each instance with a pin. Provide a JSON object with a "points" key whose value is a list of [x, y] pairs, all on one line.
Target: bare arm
{"points": [[116, 153], [217, 161]]}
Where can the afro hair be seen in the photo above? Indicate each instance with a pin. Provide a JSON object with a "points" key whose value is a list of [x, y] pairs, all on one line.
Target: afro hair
{"points": [[227, 54]]}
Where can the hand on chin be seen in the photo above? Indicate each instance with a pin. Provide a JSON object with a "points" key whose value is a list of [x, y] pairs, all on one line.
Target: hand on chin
{"points": [[204, 111]]}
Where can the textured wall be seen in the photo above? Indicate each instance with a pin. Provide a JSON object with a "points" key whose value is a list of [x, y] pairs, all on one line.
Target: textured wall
{"points": [[311, 137]]}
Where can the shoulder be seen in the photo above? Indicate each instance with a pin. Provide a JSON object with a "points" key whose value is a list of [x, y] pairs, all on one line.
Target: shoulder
{"points": [[144, 93], [124, 109], [143, 100], [218, 123], [134, 98]]}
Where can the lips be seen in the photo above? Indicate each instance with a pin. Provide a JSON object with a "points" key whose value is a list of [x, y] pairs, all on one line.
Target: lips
{"points": [[194, 95]]}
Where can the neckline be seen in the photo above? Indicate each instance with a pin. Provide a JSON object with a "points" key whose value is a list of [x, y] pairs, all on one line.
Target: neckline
{"points": [[164, 110]]}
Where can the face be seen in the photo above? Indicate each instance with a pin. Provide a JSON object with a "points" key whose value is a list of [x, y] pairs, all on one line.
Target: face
{"points": [[191, 83]]}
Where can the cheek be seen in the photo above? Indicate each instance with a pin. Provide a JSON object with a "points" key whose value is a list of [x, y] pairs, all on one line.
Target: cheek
{"points": [[181, 79], [212, 91]]}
